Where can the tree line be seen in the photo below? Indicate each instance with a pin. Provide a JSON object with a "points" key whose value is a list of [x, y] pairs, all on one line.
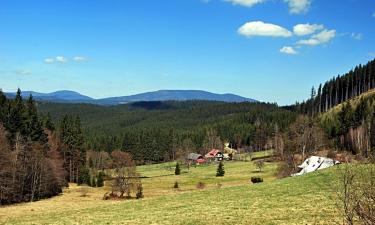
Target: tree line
{"points": [[30, 164], [339, 89]]}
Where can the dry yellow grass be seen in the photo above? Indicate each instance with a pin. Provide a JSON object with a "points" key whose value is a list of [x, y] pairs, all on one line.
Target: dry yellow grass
{"points": [[298, 200]]}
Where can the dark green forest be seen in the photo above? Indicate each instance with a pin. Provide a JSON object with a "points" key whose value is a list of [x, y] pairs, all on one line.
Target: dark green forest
{"points": [[161, 131]]}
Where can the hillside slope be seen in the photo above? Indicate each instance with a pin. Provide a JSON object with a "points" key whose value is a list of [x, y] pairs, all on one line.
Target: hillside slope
{"points": [[296, 200]]}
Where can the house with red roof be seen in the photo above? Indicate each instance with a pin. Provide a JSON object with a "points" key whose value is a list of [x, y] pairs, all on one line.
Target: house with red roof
{"points": [[214, 154]]}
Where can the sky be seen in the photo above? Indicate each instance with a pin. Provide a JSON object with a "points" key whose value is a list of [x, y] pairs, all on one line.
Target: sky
{"points": [[269, 50]]}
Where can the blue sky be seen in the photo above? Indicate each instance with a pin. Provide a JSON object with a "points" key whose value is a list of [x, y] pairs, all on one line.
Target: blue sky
{"points": [[252, 48]]}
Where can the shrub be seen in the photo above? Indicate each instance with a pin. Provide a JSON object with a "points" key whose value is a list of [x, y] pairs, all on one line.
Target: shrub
{"points": [[177, 170], [100, 181], [93, 182], [259, 164], [255, 180], [84, 176], [220, 170], [201, 185], [139, 194], [175, 185]]}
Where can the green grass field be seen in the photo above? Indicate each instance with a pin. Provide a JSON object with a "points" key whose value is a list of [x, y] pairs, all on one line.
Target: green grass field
{"points": [[294, 200]]}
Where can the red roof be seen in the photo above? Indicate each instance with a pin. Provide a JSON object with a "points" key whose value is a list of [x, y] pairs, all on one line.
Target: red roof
{"points": [[201, 161], [212, 153]]}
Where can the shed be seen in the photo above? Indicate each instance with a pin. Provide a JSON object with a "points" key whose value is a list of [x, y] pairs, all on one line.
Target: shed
{"points": [[196, 158]]}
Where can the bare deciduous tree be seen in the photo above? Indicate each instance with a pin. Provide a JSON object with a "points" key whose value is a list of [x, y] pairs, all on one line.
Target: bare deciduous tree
{"points": [[125, 179]]}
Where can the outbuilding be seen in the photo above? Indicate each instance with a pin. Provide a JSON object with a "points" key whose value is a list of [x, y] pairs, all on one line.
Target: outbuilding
{"points": [[215, 154], [196, 158]]}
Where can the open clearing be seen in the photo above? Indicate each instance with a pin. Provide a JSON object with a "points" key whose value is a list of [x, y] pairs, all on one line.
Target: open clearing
{"points": [[295, 200]]}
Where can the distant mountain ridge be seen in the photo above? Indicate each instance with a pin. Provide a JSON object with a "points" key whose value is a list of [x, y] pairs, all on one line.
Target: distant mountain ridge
{"points": [[66, 96]]}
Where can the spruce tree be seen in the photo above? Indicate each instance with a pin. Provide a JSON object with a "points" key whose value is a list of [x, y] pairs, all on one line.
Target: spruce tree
{"points": [[34, 126], [16, 119], [177, 170], [220, 170]]}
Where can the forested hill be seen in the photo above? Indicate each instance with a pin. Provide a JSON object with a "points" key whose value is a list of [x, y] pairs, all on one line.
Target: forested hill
{"points": [[340, 89], [152, 130]]}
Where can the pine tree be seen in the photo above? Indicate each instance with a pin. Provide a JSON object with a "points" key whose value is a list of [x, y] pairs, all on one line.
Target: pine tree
{"points": [[34, 127], [220, 170], [177, 170], [16, 119]]}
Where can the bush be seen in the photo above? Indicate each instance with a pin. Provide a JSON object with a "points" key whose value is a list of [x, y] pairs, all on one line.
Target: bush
{"points": [[93, 182], [175, 185], [139, 194], [259, 164], [201, 185], [100, 181], [220, 170], [177, 170], [255, 180], [84, 176]]}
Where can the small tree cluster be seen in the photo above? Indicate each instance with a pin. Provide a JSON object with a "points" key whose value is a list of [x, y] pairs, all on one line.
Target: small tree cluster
{"points": [[125, 179], [356, 193]]}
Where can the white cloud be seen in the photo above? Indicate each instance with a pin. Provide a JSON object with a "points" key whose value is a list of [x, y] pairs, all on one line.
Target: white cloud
{"points": [[61, 59], [321, 38], [298, 6], [247, 3], [356, 36], [288, 50], [49, 60], [306, 29], [23, 72], [259, 28], [79, 58]]}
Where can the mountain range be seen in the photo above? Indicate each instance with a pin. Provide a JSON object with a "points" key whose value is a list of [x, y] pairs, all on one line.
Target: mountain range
{"points": [[66, 96]]}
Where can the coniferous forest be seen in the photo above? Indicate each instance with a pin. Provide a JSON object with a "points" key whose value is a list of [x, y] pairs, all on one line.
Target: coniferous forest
{"points": [[36, 159], [163, 131], [339, 89]]}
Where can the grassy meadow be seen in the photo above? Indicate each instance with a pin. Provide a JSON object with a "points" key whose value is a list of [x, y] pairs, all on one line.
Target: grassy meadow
{"points": [[225, 200]]}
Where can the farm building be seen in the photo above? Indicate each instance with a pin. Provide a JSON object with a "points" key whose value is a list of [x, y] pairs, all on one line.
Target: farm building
{"points": [[214, 154], [229, 152], [315, 163], [196, 158]]}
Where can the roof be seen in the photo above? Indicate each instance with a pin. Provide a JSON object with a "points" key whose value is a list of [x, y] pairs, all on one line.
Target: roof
{"points": [[212, 153], [315, 163], [194, 156]]}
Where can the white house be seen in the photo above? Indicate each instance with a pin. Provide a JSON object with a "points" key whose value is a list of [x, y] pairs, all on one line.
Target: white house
{"points": [[315, 163]]}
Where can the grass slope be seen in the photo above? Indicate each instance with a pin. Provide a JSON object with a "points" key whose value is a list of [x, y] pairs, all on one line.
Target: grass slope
{"points": [[295, 200]]}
